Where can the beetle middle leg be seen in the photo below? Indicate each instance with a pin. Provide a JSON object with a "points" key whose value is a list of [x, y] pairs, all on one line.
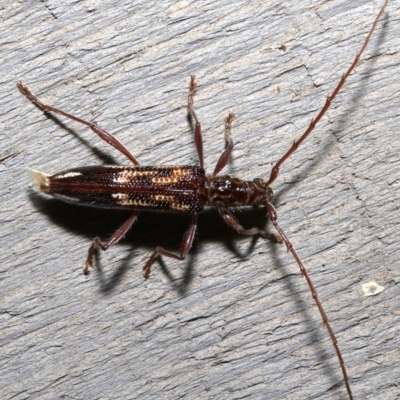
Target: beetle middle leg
{"points": [[224, 158], [185, 247], [198, 137]]}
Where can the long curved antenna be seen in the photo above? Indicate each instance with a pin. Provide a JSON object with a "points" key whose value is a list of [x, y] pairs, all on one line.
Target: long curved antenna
{"points": [[296, 144], [274, 219], [272, 212]]}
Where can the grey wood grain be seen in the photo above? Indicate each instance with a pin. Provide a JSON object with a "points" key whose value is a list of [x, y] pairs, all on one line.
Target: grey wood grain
{"points": [[235, 320]]}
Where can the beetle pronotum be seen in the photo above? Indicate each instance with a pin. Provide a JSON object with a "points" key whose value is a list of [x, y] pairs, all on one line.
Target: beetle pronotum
{"points": [[179, 189]]}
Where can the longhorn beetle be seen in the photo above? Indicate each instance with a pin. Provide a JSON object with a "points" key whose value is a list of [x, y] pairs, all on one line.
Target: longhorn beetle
{"points": [[179, 189]]}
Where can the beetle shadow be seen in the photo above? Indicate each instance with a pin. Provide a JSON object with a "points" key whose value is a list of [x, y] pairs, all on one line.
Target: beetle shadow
{"points": [[148, 232]]}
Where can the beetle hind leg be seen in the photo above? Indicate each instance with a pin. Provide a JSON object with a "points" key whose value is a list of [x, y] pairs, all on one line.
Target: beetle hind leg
{"points": [[115, 238]]}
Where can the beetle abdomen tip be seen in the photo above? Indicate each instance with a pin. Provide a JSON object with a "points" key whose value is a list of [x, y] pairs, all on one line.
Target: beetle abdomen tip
{"points": [[39, 180]]}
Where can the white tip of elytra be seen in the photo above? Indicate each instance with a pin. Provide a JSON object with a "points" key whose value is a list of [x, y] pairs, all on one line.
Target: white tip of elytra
{"points": [[39, 180]]}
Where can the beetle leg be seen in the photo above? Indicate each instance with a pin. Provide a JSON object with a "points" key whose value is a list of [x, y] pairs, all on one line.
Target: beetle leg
{"points": [[115, 238], [232, 221], [185, 247]]}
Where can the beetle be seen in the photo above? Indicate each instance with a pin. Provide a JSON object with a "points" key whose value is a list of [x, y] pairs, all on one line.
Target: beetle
{"points": [[180, 189]]}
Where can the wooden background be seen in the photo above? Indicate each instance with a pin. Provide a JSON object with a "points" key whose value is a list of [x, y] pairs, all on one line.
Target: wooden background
{"points": [[235, 320]]}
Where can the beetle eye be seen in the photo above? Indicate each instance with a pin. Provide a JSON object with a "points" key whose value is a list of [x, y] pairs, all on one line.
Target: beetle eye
{"points": [[259, 183], [261, 203]]}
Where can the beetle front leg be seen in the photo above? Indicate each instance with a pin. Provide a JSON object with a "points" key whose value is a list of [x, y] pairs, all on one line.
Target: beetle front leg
{"points": [[232, 221]]}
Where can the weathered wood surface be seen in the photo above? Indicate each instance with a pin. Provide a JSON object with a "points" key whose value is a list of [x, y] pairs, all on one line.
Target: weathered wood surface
{"points": [[234, 320]]}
